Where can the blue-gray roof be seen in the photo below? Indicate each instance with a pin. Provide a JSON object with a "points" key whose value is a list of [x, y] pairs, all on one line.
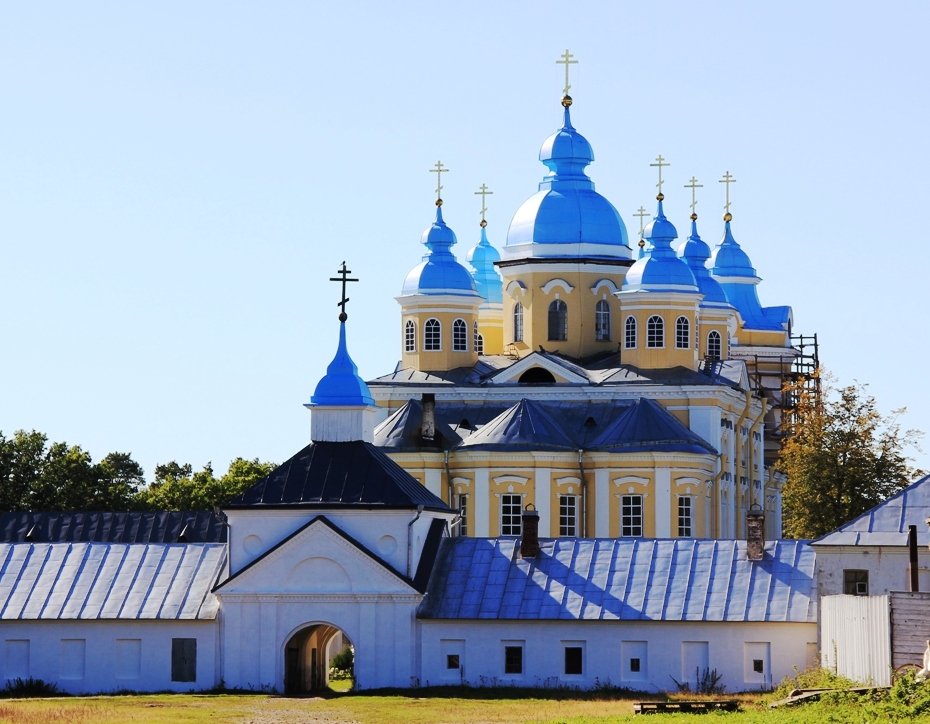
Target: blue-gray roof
{"points": [[109, 580], [622, 579], [887, 522]]}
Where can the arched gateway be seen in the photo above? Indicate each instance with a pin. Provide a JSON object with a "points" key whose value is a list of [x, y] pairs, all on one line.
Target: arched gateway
{"points": [[308, 655]]}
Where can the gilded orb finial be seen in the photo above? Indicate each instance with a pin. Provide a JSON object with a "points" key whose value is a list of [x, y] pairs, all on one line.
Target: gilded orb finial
{"points": [[642, 243], [693, 217], [728, 217], [566, 101]]}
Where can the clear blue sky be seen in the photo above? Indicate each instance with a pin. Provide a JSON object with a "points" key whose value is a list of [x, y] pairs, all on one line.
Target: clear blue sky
{"points": [[178, 180]]}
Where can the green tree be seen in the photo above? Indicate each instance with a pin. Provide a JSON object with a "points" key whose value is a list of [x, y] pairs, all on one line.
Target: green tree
{"points": [[841, 457], [177, 487]]}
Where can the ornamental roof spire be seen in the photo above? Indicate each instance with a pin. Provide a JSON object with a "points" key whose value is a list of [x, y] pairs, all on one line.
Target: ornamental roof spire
{"points": [[482, 256]]}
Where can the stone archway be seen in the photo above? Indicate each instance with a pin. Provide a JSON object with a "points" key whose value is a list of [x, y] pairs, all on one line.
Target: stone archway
{"points": [[307, 657]]}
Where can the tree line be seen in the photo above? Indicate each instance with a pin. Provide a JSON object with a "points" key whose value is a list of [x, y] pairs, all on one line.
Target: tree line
{"points": [[38, 475]]}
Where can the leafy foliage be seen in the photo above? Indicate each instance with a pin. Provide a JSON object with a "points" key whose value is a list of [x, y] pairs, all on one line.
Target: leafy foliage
{"points": [[341, 665], [178, 487], [842, 457], [36, 475]]}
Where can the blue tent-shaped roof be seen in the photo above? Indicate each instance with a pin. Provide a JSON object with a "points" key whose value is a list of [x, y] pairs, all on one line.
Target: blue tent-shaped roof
{"points": [[647, 426], [525, 426]]}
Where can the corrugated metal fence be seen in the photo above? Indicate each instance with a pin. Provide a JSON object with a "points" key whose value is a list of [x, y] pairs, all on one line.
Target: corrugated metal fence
{"points": [[855, 637]]}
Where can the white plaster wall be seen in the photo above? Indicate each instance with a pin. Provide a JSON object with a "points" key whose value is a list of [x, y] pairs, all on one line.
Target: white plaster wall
{"points": [[887, 567], [104, 667], [705, 421], [256, 630], [607, 645]]}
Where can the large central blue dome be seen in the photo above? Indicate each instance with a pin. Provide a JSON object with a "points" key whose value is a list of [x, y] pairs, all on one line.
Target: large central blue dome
{"points": [[567, 217]]}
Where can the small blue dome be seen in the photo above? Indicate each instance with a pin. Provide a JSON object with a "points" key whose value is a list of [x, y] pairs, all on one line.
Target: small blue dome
{"points": [[729, 259], [439, 272], [481, 258], [659, 269], [567, 210], [695, 252], [341, 386]]}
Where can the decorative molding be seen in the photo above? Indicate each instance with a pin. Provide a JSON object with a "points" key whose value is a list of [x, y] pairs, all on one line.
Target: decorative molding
{"points": [[596, 287], [557, 282]]}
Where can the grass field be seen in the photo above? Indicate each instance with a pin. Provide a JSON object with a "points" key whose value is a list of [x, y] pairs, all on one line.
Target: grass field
{"points": [[426, 706]]}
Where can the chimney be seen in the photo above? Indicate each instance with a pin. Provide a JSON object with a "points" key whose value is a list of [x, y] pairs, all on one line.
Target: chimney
{"points": [[912, 569], [428, 422], [755, 533], [529, 545]]}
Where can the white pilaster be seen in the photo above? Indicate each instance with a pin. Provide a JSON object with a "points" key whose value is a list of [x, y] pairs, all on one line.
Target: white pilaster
{"points": [[482, 504], [663, 503], [434, 483], [543, 494], [601, 503]]}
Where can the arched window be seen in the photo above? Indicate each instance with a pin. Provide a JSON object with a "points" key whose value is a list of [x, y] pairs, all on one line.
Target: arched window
{"points": [[558, 320], [629, 333], [713, 344], [410, 336], [682, 333], [459, 336], [432, 336], [602, 321], [518, 322], [479, 341], [655, 332]]}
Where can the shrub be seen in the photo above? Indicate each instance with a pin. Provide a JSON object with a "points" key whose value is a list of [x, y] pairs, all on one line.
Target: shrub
{"points": [[21, 688], [341, 665]]}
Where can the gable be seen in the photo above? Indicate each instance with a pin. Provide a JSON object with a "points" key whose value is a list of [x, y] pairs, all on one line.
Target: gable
{"points": [[562, 372], [317, 558]]}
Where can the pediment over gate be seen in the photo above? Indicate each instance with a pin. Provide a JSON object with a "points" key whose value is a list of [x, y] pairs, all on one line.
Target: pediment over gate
{"points": [[318, 558]]}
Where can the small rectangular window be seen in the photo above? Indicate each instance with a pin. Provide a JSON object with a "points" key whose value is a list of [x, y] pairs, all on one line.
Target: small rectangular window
{"points": [[855, 582], [758, 666], [685, 516], [573, 660], [452, 661], [568, 515], [634, 665], [631, 516], [511, 514], [513, 659], [461, 501], [184, 659]]}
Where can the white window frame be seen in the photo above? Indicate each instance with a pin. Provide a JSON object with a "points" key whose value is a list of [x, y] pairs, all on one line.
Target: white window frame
{"points": [[655, 332], [459, 336], [717, 342], [602, 321], [511, 519], [410, 336], [518, 322], [432, 334], [682, 333], [685, 516], [559, 308], [631, 515], [568, 516], [629, 333]]}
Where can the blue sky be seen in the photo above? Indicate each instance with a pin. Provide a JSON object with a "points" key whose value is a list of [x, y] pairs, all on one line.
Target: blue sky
{"points": [[178, 180]]}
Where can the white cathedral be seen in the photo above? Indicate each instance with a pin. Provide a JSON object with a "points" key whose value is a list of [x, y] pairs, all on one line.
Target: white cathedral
{"points": [[568, 480]]}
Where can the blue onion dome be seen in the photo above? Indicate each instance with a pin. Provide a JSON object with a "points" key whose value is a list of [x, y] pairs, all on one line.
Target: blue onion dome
{"points": [[439, 272], [729, 259], [567, 212], [481, 258], [695, 252], [341, 386], [659, 268]]}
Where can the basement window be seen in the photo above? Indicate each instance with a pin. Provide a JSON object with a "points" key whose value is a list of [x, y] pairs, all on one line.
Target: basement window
{"points": [[184, 659], [634, 665], [758, 666], [513, 659], [452, 661], [573, 660]]}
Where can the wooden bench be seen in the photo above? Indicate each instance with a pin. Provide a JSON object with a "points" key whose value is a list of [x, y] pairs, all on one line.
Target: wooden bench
{"points": [[696, 707]]}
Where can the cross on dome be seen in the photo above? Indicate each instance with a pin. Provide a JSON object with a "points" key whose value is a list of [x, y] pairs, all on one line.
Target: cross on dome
{"points": [[694, 186], [642, 214], [343, 278], [660, 163], [483, 193], [727, 179], [566, 59], [439, 170]]}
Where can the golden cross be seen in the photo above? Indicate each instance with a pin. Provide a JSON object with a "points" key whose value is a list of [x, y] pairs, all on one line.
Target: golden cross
{"points": [[727, 179], [483, 193], [694, 185], [439, 171], [641, 213], [660, 162], [566, 60], [343, 277]]}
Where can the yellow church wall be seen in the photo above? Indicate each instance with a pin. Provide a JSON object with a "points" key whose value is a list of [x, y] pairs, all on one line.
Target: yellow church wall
{"points": [[491, 328], [642, 306], [762, 337], [444, 358], [581, 287]]}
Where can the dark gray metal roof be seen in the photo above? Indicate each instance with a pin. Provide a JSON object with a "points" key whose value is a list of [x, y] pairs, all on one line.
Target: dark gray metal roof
{"points": [[401, 431], [525, 426], [628, 579], [338, 475], [887, 523], [112, 527], [647, 426]]}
